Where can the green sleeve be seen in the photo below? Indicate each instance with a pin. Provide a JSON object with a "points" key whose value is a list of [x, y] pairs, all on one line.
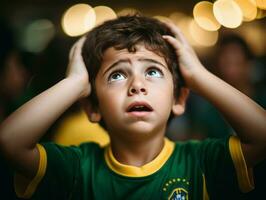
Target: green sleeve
{"points": [[61, 174], [224, 168]]}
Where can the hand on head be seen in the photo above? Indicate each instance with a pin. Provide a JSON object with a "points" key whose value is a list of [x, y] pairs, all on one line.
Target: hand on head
{"points": [[188, 60], [76, 67]]}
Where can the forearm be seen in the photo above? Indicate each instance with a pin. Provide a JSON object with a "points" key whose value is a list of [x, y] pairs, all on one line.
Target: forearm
{"points": [[245, 116], [24, 128]]}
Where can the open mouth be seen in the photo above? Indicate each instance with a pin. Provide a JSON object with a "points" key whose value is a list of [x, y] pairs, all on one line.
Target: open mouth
{"points": [[139, 107]]}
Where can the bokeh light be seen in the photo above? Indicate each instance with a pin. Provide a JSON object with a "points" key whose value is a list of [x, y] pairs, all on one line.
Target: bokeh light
{"points": [[162, 18], [127, 11], [177, 17], [261, 4], [202, 37], [228, 13], [103, 13], [37, 35], [203, 15], [248, 8], [78, 19], [183, 23], [254, 34]]}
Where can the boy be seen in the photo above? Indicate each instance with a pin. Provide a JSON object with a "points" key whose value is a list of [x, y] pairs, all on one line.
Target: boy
{"points": [[133, 89]]}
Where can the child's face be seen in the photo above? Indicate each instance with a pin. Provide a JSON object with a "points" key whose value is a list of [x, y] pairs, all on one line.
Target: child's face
{"points": [[134, 90]]}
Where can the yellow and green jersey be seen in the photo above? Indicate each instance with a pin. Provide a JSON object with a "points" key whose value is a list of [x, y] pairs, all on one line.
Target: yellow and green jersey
{"points": [[210, 169]]}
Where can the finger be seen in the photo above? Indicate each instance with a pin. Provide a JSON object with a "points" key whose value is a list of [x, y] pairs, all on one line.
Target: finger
{"points": [[177, 32], [71, 52], [77, 47], [173, 41]]}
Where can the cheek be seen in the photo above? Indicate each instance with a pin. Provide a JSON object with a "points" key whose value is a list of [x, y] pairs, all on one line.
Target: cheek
{"points": [[164, 87], [109, 100], [163, 92]]}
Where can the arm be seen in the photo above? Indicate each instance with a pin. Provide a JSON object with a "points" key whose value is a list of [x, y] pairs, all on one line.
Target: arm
{"points": [[22, 130], [245, 116]]}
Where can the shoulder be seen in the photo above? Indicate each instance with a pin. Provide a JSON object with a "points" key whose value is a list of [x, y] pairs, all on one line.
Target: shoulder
{"points": [[85, 149], [203, 146]]}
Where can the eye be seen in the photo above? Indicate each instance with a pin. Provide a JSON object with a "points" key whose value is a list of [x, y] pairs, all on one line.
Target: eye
{"points": [[154, 72], [116, 76]]}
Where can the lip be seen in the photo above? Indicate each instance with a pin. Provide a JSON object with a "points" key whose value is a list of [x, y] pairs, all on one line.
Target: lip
{"points": [[139, 103], [139, 114]]}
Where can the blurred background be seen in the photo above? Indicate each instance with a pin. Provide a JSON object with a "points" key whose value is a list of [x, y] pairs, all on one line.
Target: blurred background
{"points": [[228, 35], [36, 36]]}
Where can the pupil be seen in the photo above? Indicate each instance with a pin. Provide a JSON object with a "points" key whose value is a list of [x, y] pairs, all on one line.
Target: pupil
{"points": [[116, 76]]}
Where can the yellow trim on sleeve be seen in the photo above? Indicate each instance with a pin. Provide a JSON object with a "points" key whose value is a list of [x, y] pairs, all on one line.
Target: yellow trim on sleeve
{"points": [[205, 192], [244, 175], [145, 170], [24, 187]]}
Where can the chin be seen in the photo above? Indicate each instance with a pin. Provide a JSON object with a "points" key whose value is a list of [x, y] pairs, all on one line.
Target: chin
{"points": [[142, 128]]}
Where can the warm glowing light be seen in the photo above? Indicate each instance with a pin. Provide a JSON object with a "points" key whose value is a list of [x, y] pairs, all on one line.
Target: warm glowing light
{"points": [[228, 13], [202, 37], [183, 24], [248, 8], [261, 4], [127, 11], [176, 17], [254, 34], [78, 19], [162, 18], [203, 15], [103, 13], [260, 13], [181, 20]]}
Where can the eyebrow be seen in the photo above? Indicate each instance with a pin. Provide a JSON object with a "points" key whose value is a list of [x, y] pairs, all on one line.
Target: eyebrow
{"points": [[128, 61], [152, 61], [115, 64]]}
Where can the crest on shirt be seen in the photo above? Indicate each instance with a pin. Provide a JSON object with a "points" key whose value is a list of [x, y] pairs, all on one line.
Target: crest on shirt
{"points": [[179, 194], [176, 188]]}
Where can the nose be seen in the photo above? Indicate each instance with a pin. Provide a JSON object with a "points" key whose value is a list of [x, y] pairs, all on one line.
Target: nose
{"points": [[137, 87]]}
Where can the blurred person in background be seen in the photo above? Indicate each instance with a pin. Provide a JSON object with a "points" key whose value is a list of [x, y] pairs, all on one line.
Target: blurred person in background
{"points": [[53, 104], [237, 65], [11, 85], [234, 63], [15, 82]]}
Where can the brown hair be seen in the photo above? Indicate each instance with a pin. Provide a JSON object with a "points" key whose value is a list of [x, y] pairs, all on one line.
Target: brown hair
{"points": [[126, 32]]}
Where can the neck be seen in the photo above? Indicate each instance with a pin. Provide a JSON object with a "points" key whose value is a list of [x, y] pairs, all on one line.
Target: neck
{"points": [[138, 152]]}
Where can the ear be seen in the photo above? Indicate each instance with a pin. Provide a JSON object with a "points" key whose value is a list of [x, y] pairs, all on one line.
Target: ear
{"points": [[180, 104], [92, 113]]}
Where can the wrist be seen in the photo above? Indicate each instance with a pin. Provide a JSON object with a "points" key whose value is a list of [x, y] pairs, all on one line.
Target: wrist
{"points": [[197, 75], [81, 85]]}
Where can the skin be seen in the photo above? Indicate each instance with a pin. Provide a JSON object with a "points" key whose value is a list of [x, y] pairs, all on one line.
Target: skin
{"points": [[22, 130], [139, 77], [245, 116]]}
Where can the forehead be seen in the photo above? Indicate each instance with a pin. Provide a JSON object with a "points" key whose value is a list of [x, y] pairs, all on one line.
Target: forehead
{"points": [[112, 55]]}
